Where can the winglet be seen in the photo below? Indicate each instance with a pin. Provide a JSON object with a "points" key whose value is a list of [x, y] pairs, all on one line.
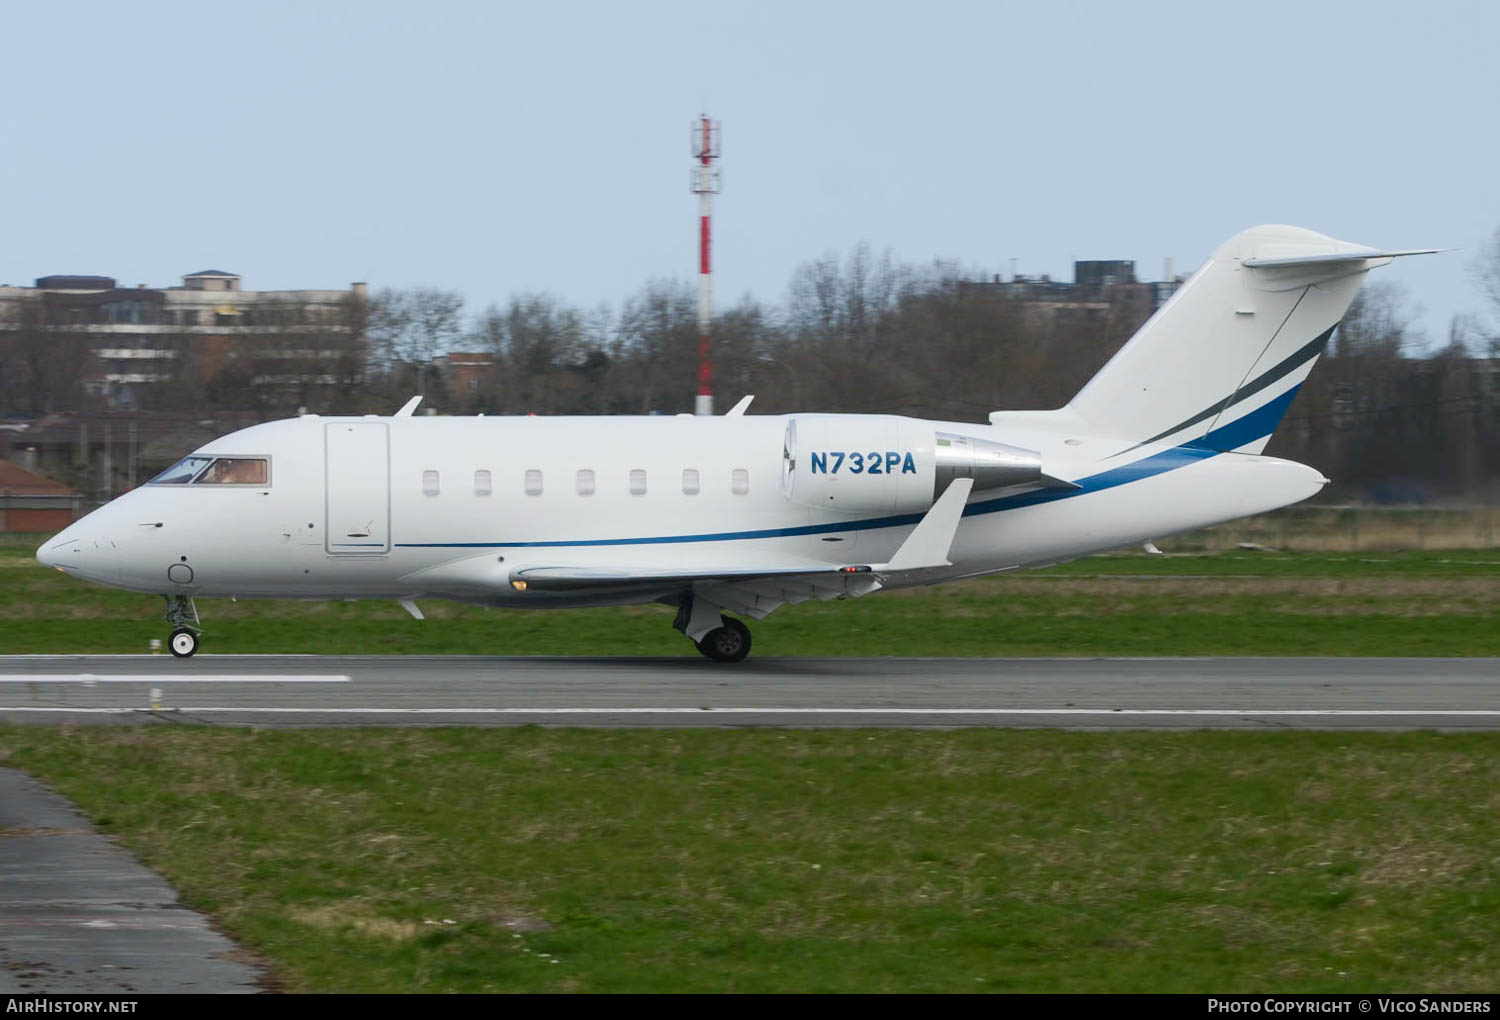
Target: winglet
{"points": [[409, 407], [930, 541], [739, 409]]}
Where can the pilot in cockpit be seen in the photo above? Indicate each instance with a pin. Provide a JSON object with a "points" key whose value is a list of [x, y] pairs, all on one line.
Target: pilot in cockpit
{"points": [[235, 471]]}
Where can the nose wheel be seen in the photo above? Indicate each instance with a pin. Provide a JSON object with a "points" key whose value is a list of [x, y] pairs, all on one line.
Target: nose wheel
{"points": [[183, 616], [183, 642]]}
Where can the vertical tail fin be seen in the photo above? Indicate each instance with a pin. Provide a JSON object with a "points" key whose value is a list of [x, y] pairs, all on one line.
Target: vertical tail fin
{"points": [[1220, 362]]}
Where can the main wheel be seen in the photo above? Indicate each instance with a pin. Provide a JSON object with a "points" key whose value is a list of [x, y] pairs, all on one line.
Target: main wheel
{"points": [[183, 642], [729, 643]]}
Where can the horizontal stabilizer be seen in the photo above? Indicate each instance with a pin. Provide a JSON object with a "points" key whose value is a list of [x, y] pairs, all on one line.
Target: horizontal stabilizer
{"points": [[1340, 256]]}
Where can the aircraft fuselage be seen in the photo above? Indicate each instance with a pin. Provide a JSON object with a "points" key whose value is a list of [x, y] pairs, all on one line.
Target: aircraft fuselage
{"points": [[451, 507]]}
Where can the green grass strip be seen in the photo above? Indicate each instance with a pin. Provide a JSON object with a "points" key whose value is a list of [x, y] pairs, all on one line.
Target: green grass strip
{"points": [[1234, 603], [865, 860]]}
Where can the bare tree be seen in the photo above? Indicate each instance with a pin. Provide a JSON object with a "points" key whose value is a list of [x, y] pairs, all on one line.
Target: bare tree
{"points": [[407, 331], [659, 334], [1485, 271], [550, 357], [1378, 325], [1367, 416]]}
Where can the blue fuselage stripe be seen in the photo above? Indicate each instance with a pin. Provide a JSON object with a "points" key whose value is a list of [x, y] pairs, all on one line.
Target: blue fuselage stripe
{"points": [[1255, 425]]}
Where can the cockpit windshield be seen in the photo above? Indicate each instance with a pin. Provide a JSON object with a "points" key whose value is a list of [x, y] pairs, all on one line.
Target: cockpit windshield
{"points": [[198, 470], [184, 471]]}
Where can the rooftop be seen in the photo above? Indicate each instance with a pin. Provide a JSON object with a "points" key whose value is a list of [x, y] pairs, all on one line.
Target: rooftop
{"points": [[16, 479]]}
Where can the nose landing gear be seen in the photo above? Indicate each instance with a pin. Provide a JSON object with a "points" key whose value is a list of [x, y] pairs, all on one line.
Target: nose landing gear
{"points": [[183, 642], [183, 616]]}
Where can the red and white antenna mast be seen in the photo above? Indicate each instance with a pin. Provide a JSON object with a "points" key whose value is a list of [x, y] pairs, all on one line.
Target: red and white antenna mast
{"points": [[705, 184]]}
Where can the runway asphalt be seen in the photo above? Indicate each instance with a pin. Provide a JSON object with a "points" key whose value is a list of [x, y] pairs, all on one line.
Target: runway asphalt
{"points": [[79, 916], [1137, 693]]}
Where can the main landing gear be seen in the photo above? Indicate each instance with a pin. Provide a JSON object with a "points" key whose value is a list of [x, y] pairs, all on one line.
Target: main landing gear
{"points": [[183, 616], [729, 643], [719, 637]]}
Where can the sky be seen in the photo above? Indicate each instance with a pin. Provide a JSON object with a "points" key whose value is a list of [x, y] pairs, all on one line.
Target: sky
{"points": [[496, 148]]}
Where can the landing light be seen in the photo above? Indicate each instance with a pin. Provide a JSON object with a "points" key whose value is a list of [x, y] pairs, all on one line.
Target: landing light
{"points": [[518, 585]]}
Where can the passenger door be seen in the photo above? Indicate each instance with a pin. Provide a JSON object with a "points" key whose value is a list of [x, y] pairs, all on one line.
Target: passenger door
{"points": [[357, 459]]}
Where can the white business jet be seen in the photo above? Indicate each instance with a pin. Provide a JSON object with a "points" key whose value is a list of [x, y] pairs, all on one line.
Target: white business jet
{"points": [[747, 513]]}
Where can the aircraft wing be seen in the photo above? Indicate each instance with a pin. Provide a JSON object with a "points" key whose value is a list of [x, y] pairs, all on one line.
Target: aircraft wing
{"points": [[758, 597], [754, 588], [752, 591], [575, 578], [758, 590]]}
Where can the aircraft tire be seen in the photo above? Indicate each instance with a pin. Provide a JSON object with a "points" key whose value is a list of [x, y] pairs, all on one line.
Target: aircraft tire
{"points": [[729, 643], [183, 642]]}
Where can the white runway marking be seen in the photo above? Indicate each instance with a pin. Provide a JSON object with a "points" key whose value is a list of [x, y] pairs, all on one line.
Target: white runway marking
{"points": [[158, 656], [152, 678], [1303, 712]]}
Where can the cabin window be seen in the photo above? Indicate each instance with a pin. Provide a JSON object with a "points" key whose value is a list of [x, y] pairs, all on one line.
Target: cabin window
{"points": [[585, 481], [739, 481], [637, 481], [429, 482], [690, 481], [533, 482], [482, 486]]}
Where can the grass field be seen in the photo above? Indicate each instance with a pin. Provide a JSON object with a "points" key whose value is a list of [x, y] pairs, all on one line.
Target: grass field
{"points": [[1204, 603], [762, 860], [1313, 528]]}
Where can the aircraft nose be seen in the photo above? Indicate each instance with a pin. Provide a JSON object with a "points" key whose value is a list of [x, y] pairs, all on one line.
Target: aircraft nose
{"points": [[53, 552]]}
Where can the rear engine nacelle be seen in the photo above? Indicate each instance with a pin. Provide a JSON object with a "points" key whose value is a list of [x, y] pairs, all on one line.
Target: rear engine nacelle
{"points": [[992, 465], [885, 464]]}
